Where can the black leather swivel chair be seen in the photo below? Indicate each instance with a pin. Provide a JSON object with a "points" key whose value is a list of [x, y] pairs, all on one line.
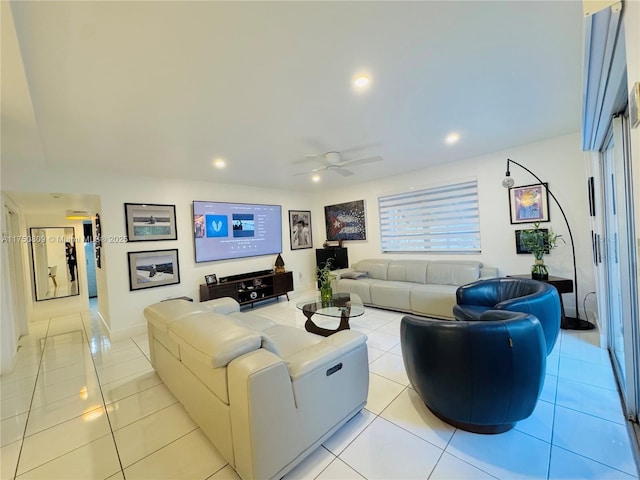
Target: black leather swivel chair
{"points": [[513, 294], [482, 376]]}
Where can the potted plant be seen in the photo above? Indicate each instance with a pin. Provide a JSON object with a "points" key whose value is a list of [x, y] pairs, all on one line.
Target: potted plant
{"points": [[539, 242], [325, 276]]}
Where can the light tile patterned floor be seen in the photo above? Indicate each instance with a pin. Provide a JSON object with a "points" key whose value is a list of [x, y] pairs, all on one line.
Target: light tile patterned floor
{"points": [[80, 406]]}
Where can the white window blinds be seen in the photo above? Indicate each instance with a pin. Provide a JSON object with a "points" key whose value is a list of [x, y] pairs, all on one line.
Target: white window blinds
{"points": [[443, 218]]}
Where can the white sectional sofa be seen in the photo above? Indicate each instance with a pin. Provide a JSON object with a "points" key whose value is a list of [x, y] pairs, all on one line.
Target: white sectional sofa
{"points": [[266, 395], [422, 287]]}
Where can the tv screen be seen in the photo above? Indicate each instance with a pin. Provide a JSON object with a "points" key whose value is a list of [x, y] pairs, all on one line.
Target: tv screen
{"points": [[224, 230]]}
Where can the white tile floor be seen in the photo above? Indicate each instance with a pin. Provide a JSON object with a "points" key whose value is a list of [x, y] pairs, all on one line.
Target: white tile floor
{"points": [[80, 406]]}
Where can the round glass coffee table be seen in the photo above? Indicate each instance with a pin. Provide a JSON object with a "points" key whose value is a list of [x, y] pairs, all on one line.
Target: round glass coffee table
{"points": [[341, 305]]}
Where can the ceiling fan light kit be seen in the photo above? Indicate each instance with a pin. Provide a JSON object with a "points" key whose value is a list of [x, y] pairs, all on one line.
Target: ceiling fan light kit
{"points": [[333, 161]]}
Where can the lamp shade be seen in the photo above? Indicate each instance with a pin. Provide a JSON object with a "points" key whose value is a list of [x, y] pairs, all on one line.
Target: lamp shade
{"points": [[508, 182]]}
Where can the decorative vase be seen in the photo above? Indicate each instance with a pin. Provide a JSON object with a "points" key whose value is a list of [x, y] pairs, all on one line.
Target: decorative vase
{"points": [[539, 270], [326, 293]]}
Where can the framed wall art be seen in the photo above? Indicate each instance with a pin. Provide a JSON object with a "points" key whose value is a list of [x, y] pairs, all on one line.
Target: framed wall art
{"points": [[346, 221], [300, 229], [153, 268], [521, 249], [529, 203], [147, 222]]}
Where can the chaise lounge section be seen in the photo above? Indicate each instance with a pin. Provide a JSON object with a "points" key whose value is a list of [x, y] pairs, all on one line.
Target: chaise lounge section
{"points": [[266, 395], [421, 287]]}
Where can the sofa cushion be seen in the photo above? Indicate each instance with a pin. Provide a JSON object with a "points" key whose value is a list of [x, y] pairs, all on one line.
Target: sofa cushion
{"points": [[408, 271], [375, 268], [163, 314], [450, 273], [354, 275], [259, 324], [213, 338], [433, 300], [359, 287], [394, 295], [224, 305], [289, 340]]}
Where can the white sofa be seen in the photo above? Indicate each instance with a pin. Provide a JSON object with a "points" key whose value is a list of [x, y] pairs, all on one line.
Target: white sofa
{"points": [[422, 287], [266, 395]]}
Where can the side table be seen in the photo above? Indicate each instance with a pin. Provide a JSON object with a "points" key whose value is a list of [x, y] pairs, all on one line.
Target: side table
{"points": [[563, 285]]}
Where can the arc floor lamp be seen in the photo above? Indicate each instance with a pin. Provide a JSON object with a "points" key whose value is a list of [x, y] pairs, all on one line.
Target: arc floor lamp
{"points": [[567, 322]]}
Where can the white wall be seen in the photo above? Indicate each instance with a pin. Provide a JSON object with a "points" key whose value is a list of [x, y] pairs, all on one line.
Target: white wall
{"points": [[558, 161], [123, 310]]}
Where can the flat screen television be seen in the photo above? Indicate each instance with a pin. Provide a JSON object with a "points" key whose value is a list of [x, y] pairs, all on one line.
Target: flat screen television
{"points": [[224, 231]]}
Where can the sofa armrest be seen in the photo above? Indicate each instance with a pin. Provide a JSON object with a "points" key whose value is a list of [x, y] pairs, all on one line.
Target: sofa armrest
{"points": [[325, 354], [338, 273], [488, 272], [264, 419]]}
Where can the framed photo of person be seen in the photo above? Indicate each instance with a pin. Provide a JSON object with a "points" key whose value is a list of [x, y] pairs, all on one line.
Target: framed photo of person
{"points": [[211, 279], [300, 229]]}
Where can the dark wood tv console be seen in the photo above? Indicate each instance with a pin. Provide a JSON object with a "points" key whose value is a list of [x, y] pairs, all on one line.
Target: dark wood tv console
{"points": [[250, 288]]}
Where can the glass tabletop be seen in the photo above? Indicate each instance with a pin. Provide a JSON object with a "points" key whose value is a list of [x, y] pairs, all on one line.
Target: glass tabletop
{"points": [[340, 303]]}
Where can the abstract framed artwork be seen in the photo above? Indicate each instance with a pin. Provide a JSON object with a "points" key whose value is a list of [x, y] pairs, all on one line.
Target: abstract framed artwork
{"points": [[300, 229], [529, 203], [146, 222], [153, 268], [346, 221]]}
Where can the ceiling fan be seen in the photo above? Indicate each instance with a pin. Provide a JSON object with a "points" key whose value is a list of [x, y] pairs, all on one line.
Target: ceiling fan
{"points": [[333, 161]]}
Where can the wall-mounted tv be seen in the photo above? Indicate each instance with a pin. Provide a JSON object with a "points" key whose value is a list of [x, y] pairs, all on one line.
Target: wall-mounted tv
{"points": [[225, 230]]}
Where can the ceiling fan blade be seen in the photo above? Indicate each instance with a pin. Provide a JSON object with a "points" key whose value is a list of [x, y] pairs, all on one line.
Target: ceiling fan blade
{"points": [[360, 147], [308, 158], [319, 169], [343, 171], [360, 161]]}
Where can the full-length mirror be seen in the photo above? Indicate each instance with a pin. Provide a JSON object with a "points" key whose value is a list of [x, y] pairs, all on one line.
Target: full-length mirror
{"points": [[55, 264]]}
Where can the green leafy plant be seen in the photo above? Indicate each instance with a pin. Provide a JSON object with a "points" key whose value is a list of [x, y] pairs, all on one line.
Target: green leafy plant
{"points": [[324, 275], [539, 242]]}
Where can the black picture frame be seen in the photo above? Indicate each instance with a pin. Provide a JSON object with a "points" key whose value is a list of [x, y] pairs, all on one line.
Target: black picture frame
{"points": [[520, 248], [346, 221], [300, 238], [153, 268], [211, 279], [529, 203], [149, 222]]}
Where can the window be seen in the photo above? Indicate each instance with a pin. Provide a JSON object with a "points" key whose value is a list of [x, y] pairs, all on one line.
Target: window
{"points": [[443, 218]]}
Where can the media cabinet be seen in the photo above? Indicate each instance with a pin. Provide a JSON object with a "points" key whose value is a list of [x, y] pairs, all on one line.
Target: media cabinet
{"points": [[249, 287]]}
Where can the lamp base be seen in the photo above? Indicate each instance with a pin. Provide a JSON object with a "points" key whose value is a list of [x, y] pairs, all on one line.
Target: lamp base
{"points": [[572, 323]]}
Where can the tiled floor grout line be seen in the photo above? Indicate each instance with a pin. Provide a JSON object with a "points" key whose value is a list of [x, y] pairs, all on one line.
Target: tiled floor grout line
{"points": [[33, 394], [104, 403]]}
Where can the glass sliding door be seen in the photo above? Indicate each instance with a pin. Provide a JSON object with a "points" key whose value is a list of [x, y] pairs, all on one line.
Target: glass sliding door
{"points": [[622, 289]]}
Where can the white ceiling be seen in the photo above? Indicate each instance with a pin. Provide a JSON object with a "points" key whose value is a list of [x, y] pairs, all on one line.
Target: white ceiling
{"points": [[163, 88]]}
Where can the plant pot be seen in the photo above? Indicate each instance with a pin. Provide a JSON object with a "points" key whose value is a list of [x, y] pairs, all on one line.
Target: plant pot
{"points": [[539, 270], [326, 293], [539, 276]]}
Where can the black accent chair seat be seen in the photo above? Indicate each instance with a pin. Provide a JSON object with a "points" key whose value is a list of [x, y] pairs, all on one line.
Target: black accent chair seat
{"points": [[513, 294], [482, 376]]}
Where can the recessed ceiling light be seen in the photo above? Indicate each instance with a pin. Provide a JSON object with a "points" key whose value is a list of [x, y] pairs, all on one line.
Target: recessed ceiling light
{"points": [[219, 163], [452, 138], [361, 81], [315, 178]]}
